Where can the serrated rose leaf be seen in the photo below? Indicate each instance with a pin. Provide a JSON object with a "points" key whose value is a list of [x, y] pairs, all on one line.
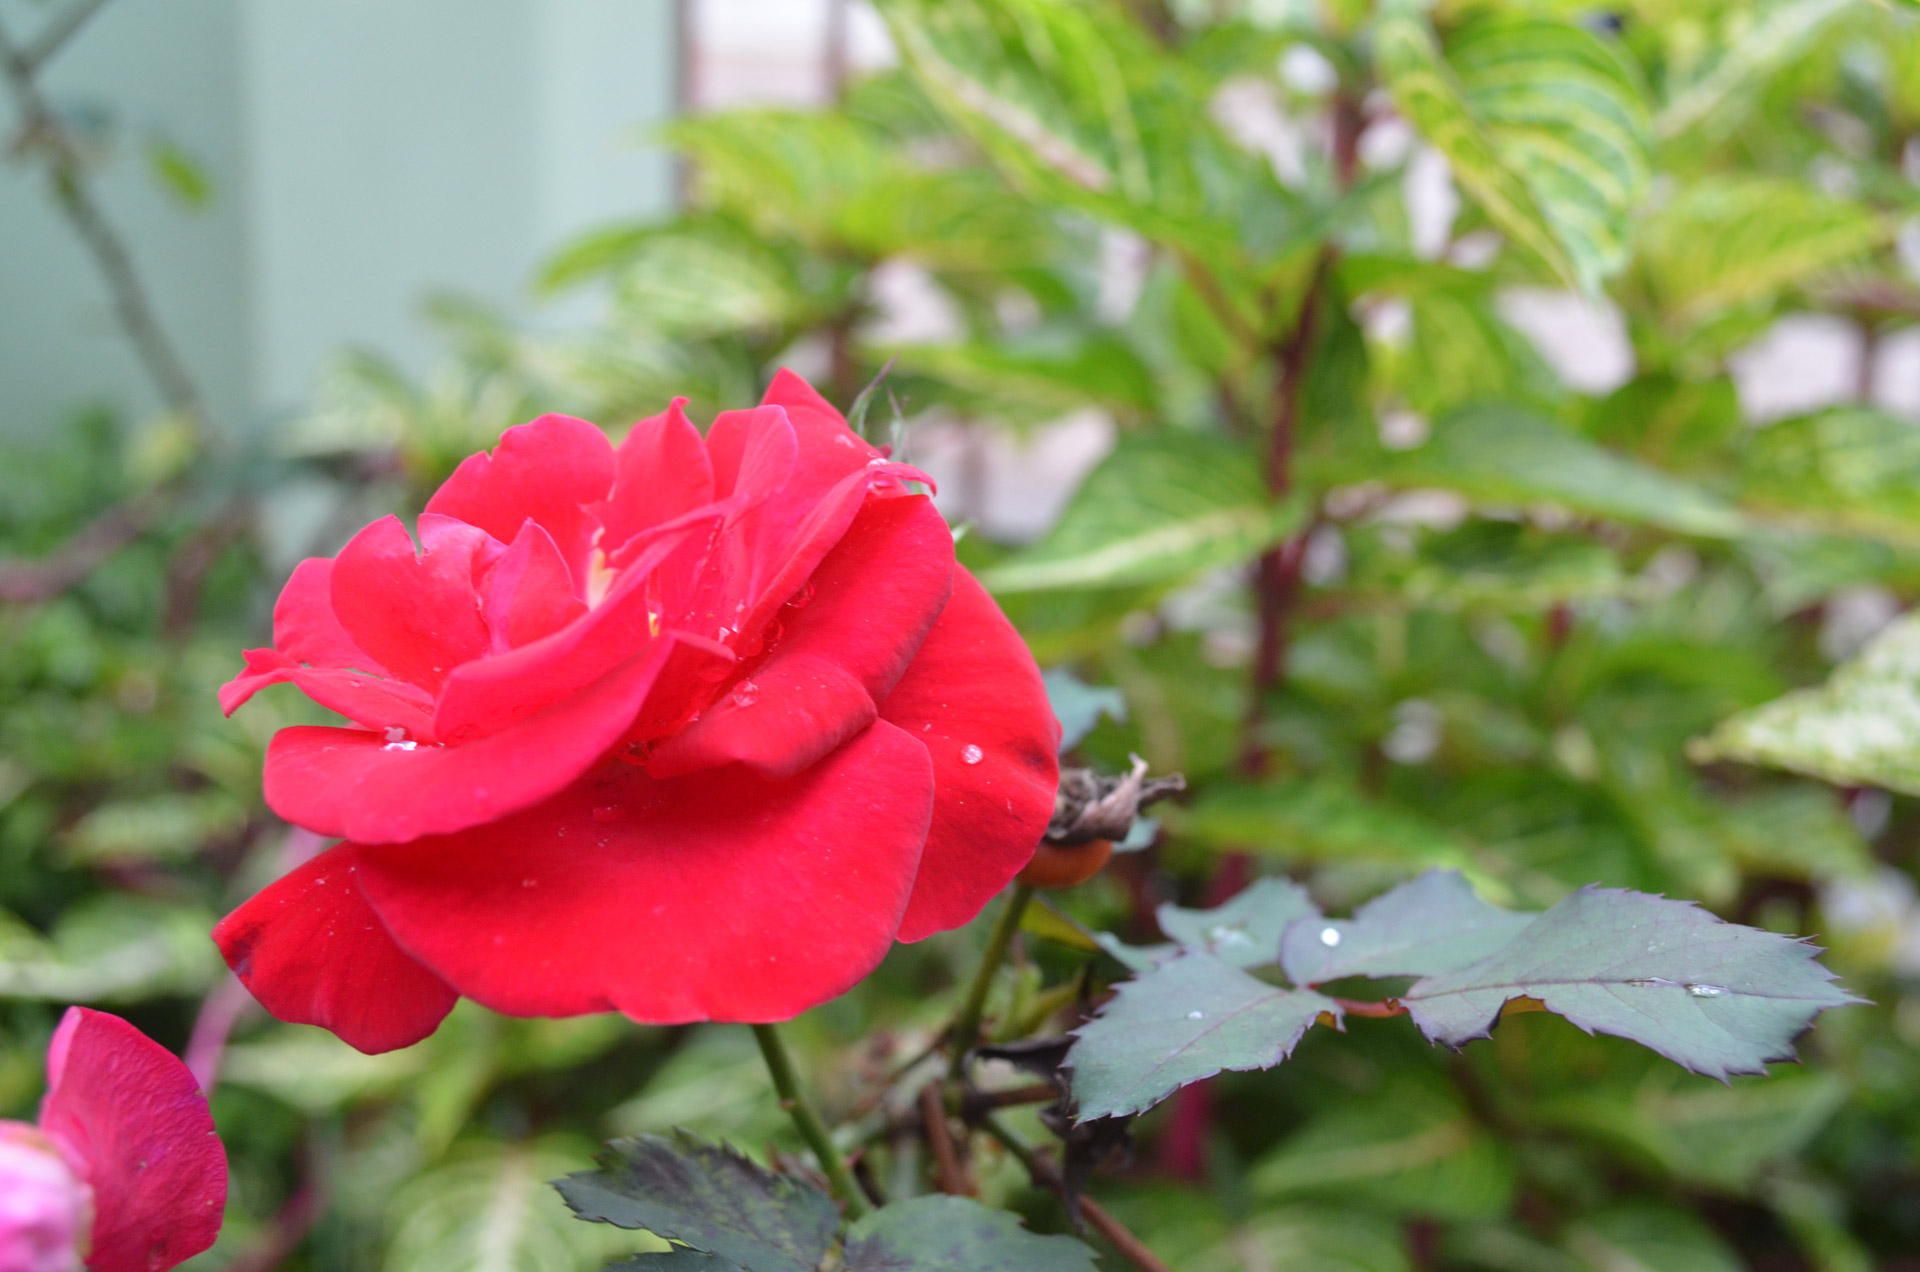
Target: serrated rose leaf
{"points": [[1185, 1020], [1244, 932], [1712, 996], [1432, 925], [956, 1234], [709, 1197], [678, 1259]]}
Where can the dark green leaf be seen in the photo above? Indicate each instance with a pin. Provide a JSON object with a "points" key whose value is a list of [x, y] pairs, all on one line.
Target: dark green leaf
{"points": [[678, 1259], [1432, 925], [709, 1197], [1707, 994], [1163, 506], [1187, 1019], [1649, 1238], [956, 1234], [1245, 932], [1078, 705]]}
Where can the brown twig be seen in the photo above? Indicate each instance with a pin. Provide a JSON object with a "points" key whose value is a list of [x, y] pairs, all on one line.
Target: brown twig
{"points": [[949, 1170], [1043, 1173], [42, 132]]}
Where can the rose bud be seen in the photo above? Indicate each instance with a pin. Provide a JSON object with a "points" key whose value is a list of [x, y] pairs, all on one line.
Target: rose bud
{"points": [[690, 729], [124, 1172]]}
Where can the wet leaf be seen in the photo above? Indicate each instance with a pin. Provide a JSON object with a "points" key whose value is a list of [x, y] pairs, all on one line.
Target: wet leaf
{"points": [[707, 1196], [1187, 1019], [1245, 932], [1710, 995], [1432, 925], [956, 1234]]}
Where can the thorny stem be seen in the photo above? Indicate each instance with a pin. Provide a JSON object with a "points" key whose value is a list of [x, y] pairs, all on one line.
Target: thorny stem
{"points": [[1042, 1172], [814, 1131], [966, 1026]]}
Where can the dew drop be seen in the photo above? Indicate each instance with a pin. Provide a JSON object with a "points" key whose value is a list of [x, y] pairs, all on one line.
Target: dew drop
{"points": [[971, 754], [529, 883], [799, 599], [1330, 936], [396, 733], [1651, 982], [1706, 991], [397, 739], [1196, 1015], [607, 813], [745, 694]]}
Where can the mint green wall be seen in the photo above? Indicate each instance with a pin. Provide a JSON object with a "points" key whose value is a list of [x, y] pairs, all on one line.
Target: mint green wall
{"points": [[364, 153]]}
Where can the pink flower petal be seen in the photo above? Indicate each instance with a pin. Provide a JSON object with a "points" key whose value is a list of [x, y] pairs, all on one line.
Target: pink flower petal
{"points": [[419, 614], [552, 470]]}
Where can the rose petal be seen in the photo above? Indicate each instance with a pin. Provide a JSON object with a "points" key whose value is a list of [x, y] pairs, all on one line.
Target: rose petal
{"points": [[377, 704], [355, 785], [529, 591], [418, 614], [551, 471], [130, 1110], [974, 685], [875, 597], [663, 472], [305, 627], [721, 896], [311, 949]]}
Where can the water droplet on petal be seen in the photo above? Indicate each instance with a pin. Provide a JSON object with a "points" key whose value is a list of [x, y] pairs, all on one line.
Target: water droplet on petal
{"points": [[529, 883], [745, 694], [799, 599], [1706, 991], [1329, 936], [971, 754], [1196, 1015], [608, 813], [397, 739], [396, 733]]}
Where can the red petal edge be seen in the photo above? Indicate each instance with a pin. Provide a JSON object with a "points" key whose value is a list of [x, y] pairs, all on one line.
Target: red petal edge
{"points": [[130, 1110], [975, 697], [313, 952], [721, 896]]}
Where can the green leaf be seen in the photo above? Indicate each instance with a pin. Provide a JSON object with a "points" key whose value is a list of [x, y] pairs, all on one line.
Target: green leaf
{"points": [[1861, 728], [179, 173], [489, 1209], [1432, 925], [1767, 37], [1563, 108], [1078, 705], [678, 1259], [1080, 107], [1245, 932], [1709, 995], [1649, 1238], [1725, 241], [956, 1234], [110, 949], [1164, 506], [1185, 1020], [1508, 455], [1848, 471], [1541, 122], [1404, 1150], [709, 1197], [1316, 819]]}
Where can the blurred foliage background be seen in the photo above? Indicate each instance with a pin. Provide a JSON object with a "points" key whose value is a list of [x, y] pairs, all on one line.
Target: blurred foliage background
{"points": [[1363, 563]]}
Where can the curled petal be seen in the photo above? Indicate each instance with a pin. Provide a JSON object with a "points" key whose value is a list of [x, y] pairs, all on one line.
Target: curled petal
{"points": [[662, 472], [721, 896], [551, 471], [367, 700], [974, 696], [313, 952], [418, 613], [529, 592], [875, 597], [128, 1109], [358, 785]]}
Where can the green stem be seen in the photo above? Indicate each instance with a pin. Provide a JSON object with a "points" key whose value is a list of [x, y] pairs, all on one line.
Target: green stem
{"points": [[966, 1026], [814, 1131]]}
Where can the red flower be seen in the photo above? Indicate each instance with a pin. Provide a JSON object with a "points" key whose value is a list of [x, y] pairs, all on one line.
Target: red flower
{"points": [[689, 730], [124, 1172]]}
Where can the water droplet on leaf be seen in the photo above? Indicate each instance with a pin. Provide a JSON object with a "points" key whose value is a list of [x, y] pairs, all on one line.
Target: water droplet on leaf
{"points": [[1329, 936], [1706, 991], [1196, 1015]]}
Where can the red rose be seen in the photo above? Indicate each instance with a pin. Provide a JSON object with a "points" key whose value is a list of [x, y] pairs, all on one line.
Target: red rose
{"points": [[123, 1171], [689, 730]]}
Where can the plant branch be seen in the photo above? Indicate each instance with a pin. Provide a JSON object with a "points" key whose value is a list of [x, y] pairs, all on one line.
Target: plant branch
{"points": [[965, 1031], [1043, 1173], [948, 1168], [786, 1081], [58, 32]]}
